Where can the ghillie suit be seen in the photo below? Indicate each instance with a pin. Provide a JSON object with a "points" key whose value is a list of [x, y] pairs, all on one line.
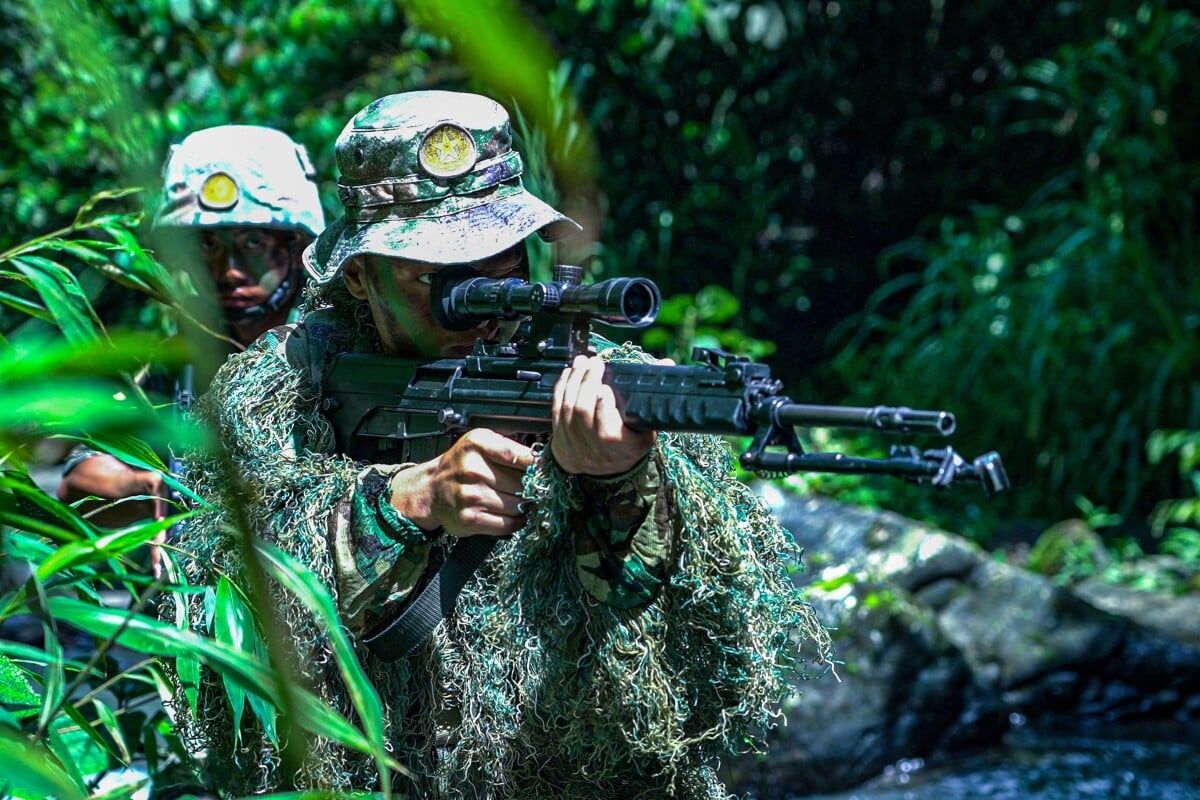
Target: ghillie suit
{"points": [[573, 667]]}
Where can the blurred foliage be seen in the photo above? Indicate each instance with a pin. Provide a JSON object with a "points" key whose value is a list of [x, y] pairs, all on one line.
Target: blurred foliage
{"points": [[82, 705], [1064, 326], [1036, 163]]}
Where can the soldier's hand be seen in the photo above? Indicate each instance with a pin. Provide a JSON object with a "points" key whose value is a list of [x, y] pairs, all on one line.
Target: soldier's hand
{"points": [[472, 489], [589, 437]]}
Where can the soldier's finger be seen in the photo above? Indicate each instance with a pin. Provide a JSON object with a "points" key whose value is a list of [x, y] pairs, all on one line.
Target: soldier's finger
{"points": [[571, 392], [560, 391], [501, 450], [588, 395], [508, 480], [477, 522], [610, 427]]}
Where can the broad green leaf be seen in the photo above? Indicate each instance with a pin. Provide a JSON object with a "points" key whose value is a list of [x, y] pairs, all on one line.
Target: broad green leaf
{"points": [[674, 309], [25, 652], [37, 358], [234, 624], [304, 585], [30, 767], [63, 297], [147, 635], [108, 545], [14, 686], [62, 751], [716, 304]]}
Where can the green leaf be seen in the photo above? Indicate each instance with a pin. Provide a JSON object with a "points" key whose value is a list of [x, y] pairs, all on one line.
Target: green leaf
{"points": [[233, 625], [14, 686], [304, 585], [716, 304], [147, 635], [63, 297], [52, 688], [109, 720], [674, 309], [25, 306], [109, 545], [30, 767]]}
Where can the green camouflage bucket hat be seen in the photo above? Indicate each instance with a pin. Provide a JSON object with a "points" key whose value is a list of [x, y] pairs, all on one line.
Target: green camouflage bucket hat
{"points": [[430, 176], [244, 175]]}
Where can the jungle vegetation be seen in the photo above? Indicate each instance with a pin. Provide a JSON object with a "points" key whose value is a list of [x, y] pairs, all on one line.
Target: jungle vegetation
{"points": [[979, 205]]}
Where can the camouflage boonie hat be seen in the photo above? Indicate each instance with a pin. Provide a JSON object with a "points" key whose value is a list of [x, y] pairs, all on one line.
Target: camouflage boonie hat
{"points": [[430, 176], [244, 175]]}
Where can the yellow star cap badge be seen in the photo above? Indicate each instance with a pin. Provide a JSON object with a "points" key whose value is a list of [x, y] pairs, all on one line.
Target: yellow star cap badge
{"points": [[447, 151], [219, 192]]}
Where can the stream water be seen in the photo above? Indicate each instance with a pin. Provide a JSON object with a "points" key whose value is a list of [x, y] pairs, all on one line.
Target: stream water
{"points": [[1146, 762]]}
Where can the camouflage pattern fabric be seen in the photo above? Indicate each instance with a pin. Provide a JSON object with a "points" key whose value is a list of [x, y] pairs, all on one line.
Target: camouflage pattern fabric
{"points": [[430, 176], [592, 655]]}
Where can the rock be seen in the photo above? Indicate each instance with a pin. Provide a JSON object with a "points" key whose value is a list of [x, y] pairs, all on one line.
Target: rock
{"points": [[1176, 617], [900, 688], [941, 643]]}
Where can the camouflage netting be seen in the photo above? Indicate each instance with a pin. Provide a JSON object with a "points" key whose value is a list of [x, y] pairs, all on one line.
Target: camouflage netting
{"points": [[533, 688]]}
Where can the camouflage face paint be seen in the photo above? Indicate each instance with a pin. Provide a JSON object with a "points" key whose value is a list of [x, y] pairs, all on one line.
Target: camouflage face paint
{"points": [[398, 295], [246, 264]]}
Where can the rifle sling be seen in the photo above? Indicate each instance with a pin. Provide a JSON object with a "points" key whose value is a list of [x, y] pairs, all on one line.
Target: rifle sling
{"points": [[414, 625]]}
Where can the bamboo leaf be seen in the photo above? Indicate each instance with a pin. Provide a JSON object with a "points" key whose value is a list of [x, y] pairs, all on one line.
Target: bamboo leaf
{"points": [[147, 635], [25, 306], [109, 720], [304, 585], [63, 297], [108, 545], [52, 689], [233, 626], [30, 767]]}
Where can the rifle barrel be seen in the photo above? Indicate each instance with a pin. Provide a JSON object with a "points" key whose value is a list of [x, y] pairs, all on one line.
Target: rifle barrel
{"points": [[881, 418]]}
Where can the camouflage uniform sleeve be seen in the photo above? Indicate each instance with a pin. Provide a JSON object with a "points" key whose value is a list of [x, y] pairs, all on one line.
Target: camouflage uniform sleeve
{"points": [[379, 555], [622, 549]]}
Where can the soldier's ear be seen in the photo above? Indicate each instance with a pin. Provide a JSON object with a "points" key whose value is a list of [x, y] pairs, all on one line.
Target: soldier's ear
{"points": [[354, 275]]}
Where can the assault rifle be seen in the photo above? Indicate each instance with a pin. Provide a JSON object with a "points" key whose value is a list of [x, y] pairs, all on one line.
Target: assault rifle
{"points": [[385, 408], [392, 410]]}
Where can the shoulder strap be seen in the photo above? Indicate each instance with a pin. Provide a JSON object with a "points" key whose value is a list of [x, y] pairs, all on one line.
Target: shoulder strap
{"points": [[414, 625]]}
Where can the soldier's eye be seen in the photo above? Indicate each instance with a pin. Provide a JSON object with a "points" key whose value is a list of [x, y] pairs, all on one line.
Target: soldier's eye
{"points": [[426, 279], [254, 241], [209, 244]]}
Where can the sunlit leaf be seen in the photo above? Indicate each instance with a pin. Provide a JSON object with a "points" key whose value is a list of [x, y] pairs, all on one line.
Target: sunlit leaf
{"points": [[308, 589], [14, 686], [105, 546], [63, 297], [716, 304], [52, 681], [147, 635], [31, 768]]}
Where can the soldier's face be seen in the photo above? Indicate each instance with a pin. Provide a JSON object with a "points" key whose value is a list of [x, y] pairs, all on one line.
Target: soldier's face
{"points": [[397, 291], [247, 264]]}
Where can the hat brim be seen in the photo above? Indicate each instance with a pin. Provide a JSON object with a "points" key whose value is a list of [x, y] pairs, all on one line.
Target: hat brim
{"points": [[457, 238]]}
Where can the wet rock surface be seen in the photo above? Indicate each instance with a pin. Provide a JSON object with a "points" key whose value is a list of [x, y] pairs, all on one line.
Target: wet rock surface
{"points": [[941, 646]]}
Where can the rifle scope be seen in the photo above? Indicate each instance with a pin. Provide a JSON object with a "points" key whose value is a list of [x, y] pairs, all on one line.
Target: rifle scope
{"points": [[461, 299]]}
